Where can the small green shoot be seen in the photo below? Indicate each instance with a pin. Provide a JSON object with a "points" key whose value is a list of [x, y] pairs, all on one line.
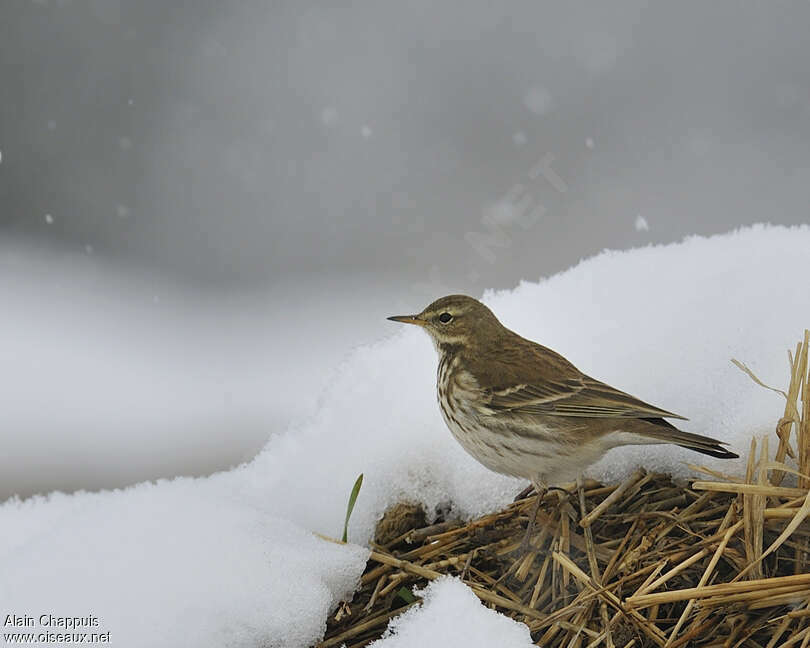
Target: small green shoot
{"points": [[350, 507], [406, 595]]}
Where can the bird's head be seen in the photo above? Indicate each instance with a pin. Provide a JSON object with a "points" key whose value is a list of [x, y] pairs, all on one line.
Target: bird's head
{"points": [[454, 320]]}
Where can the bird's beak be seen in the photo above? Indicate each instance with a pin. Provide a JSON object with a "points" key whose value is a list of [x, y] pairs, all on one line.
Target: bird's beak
{"points": [[408, 319]]}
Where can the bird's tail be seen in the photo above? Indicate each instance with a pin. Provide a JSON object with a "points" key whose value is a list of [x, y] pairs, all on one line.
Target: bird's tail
{"points": [[665, 432]]}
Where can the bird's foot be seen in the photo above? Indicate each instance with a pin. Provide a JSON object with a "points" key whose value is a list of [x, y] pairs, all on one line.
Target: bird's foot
{"points": [[525, 546], [526, 492]]}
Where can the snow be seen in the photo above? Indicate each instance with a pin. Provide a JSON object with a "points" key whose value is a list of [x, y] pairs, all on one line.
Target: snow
{"points": [[641, 224], [329, 116], [452, 615], [174, 564], [538, 100], [230, 560]]}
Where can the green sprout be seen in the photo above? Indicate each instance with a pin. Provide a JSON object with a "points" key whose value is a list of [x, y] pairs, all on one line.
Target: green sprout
{"points": [[406, 595], [352, 499]]}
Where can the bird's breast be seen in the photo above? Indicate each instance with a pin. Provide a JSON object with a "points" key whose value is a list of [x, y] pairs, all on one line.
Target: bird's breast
{"points": [[446, 388], [458, 396]]}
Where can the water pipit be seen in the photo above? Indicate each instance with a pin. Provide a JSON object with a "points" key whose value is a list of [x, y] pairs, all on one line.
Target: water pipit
{"points": [[522, 409]]}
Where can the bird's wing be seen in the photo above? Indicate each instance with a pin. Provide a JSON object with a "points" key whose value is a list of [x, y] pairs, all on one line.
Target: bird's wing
{"points": [[527, 378], [580, 396]]}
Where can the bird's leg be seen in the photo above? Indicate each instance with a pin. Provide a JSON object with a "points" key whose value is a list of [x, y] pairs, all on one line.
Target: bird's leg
{"points": [[541, 490], [581, 492], [565, 498]]}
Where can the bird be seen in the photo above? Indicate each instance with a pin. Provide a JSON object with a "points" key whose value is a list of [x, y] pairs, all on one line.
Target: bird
{"points": [[522, 409]]}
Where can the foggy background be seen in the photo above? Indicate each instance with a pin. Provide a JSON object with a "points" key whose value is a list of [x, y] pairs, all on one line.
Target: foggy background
{"points": [[204, 206]]}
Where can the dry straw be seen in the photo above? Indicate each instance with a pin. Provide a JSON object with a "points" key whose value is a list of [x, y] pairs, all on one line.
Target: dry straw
{"points": [[721, 563]]}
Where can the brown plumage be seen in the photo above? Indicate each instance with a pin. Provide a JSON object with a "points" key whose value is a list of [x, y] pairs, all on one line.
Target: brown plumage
{"points": [[524, 410]]}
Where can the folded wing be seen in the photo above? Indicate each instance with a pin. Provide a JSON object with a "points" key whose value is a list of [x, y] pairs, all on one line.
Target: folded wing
{"points": [[577, 397]]}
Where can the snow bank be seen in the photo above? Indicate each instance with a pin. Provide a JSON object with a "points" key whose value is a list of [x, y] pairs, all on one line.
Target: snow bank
{"points": [[228, 560], [451, 615], [172, 564]]}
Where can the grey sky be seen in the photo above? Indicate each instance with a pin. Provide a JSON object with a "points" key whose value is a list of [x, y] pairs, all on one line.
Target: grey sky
{"points": [[251, 143]]}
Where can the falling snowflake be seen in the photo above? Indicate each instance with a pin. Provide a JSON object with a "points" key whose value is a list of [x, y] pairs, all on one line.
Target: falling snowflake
{"points": [[538, 100], [329, 116], [641, 224]]}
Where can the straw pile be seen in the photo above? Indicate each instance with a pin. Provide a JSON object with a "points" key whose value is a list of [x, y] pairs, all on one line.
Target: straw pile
{"points": [[647, 562]]}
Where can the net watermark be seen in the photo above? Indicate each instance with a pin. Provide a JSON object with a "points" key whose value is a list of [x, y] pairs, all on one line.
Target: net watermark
{"points": [[48, 628]]}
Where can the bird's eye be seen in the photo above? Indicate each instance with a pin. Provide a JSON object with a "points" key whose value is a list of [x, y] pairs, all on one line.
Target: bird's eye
{"points": [[445, 317]]}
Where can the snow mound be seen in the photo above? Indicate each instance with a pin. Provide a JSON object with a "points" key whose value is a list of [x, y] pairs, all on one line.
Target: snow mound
{"points": [[451, 615], [174, 564], [229, 560]]}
